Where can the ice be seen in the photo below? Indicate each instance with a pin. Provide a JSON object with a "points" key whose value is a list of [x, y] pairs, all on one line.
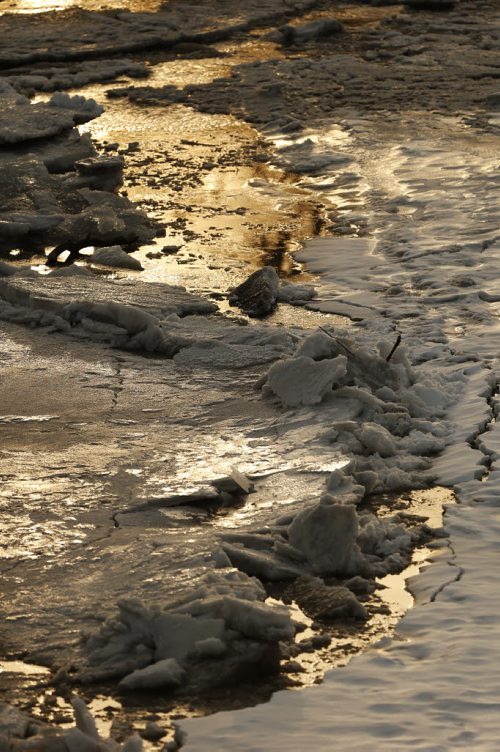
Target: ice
{"points": [[114, 255], [48, 207], [56, 78], [318, 346], [235, 483], [264, 565], [459, 463], [83, 719], [59, 153], [26, 122], [23, 732], [224, 621], [176, 635], [377, 440], [132, 320], [221, 355], [326, 535], [84, 302], [210, 647], [308, 156], [383, 420], [306, 32], [304, 381], [257, 620], [325, 602], [291, 293], [97, 173], [82, 109], [166, 674], [13, 722], [449, 638]]}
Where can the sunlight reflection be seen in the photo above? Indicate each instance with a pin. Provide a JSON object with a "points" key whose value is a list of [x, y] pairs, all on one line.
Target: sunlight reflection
{"points": [[42, 6]]}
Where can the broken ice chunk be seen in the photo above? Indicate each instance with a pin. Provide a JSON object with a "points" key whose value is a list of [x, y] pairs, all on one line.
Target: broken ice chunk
{"points": [[318, 346], [82, 109], [320, 601], [97, 165], [290, 293], [258, 620], [326, 534], [165, 673], [304, 381], [84, 719], [176, 635], [211, 647], [114, 255], [235, 483], [101, 173], [306, 32], [376, 439], [262, 564]]}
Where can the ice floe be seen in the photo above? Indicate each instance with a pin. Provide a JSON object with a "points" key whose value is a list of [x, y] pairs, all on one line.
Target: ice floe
{"points": [[219, 633], [49, 171], [21, 732]]}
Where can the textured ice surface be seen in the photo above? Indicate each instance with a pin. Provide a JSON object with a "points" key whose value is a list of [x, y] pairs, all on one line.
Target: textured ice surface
{"points": [[23, 731], [58, 77], [221, 620], [431, 687], [429, 272], [303, 381], [48, 171], [84, 34], [326, 535], [432, 273], [114, 255]]}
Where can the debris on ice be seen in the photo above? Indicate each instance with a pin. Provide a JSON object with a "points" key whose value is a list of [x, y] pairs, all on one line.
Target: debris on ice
{"points": [[305, 32], [324, 602], [257, 296], [23, 732]]}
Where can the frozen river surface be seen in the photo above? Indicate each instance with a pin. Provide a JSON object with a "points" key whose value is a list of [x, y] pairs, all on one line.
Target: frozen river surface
{"points": [[118, 423]]}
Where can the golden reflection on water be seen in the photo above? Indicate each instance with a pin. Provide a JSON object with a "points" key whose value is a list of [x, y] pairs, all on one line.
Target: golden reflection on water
{"points": [[42, 6], [19, 667]]}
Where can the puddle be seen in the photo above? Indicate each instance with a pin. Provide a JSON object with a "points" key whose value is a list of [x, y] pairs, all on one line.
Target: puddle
{"points": [[394, 591], [26, 669], [223, 207], [44, 6]]}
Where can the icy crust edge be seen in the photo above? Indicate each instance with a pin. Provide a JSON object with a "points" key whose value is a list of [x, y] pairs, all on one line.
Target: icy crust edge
{"points": [[414, 662], [20, 732], [389, 437]]}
